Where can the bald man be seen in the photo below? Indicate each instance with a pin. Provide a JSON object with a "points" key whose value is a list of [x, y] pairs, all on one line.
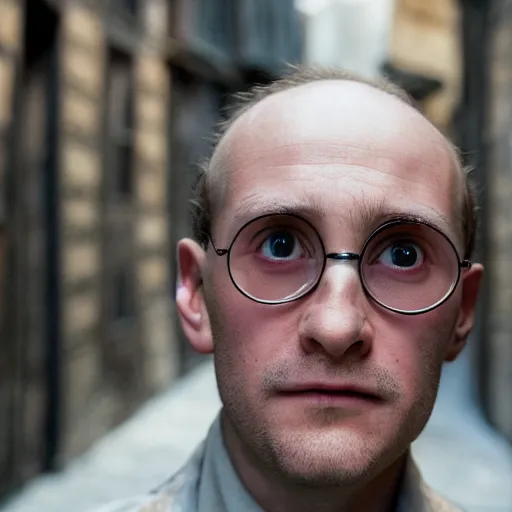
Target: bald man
{"points": [[330, 275]]}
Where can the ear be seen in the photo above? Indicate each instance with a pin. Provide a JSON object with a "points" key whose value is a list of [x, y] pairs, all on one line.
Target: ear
{"points": [[471, 280], [189, 296]]}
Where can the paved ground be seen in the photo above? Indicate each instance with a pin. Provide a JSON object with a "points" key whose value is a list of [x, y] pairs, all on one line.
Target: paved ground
{"points": [[458, 453]]}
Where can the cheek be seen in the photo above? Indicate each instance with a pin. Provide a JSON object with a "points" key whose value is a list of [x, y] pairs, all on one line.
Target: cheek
{"points": [[415, 350], [247, 336]]}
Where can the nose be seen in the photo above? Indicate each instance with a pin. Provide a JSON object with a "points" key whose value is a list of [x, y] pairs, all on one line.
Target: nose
{"points": [[335, 316]]}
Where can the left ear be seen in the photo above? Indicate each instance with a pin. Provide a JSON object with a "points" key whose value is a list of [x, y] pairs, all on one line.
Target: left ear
{"points": [[470, 282]]}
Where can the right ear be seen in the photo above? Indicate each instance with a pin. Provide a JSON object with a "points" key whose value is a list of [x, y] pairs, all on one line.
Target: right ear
{"points": [[189, 296]]}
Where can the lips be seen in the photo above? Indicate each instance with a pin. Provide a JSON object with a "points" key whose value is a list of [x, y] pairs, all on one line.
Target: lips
{"points": [[344, 391]]}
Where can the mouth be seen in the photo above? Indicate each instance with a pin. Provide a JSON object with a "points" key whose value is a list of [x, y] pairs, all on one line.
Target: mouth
{"points": [[324, 395]]}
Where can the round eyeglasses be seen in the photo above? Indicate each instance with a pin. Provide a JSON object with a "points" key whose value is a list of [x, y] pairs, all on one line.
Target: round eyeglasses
{"points": [[405, 266]]}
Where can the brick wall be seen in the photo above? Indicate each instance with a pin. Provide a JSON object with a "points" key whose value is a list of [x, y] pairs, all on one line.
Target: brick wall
{"points": [[499, 188], [92, 403], [10, 46], [152, 226], [81, 173]]}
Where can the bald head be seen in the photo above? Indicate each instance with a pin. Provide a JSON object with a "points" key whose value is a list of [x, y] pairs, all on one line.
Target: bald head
{"points": [[342, 118], [336, 122]]}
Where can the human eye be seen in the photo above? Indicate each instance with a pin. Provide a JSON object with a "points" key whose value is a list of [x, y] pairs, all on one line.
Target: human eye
{"points": [[282, 245], [402, 255]]}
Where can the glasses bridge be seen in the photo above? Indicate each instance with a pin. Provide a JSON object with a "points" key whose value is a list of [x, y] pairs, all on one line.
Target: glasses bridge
{"points": [[343, 256]]}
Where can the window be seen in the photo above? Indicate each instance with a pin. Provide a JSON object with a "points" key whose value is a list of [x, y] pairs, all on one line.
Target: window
{"points": [[130, 6], [123, 295], [120, 108], [126, 8]]}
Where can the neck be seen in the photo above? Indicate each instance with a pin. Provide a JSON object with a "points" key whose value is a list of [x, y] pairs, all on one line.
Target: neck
{"points": [[274, 493]]}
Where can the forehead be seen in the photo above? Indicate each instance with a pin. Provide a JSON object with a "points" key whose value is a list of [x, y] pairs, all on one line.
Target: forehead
{"points": [[335, 143]]}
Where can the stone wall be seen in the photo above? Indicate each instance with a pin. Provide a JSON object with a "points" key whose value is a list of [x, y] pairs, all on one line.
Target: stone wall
{"points": [[92, 404], [81, 171], [499, 250], [152, 227], [10, 47]]}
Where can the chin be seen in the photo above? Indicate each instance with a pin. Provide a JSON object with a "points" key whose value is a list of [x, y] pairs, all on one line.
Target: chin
{"points": [[327, 457]]}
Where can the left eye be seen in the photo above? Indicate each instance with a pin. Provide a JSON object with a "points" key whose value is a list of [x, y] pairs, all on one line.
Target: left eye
{"points": [[402, 255]]}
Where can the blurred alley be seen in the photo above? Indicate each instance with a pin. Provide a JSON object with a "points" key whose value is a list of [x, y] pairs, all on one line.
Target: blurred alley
{"points": [[107, 107]]}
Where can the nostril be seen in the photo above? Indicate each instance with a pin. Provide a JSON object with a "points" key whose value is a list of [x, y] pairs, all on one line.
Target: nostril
{"points": [[361, 347]]}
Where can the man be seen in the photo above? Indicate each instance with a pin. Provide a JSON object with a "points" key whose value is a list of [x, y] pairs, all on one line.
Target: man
{"points": [[330, 278]]}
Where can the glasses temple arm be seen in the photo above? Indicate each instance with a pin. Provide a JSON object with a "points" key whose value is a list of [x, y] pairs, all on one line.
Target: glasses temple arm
{"points": [[219, 252]]}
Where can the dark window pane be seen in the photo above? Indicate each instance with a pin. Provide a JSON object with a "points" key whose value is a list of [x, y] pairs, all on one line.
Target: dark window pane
{"points": [[124, 300], [120, 125], [124, 174], [130, 7]]}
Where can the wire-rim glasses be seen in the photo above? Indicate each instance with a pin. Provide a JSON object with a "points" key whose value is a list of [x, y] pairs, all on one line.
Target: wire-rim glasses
{"points": [[409, 267]]}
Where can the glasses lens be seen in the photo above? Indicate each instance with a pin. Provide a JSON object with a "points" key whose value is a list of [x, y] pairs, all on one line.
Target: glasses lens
{"points": [[276, 258], [409, 267]]}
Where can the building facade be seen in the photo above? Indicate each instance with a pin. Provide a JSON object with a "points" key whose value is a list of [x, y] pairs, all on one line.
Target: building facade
{"points": [[105, 108]]}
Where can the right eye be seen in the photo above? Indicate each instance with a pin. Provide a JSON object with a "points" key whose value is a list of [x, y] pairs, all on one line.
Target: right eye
{"points": [[282, 245]]}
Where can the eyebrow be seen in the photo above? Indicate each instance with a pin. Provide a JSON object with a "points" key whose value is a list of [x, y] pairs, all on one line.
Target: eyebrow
{"points": [[369, 215], [258, 205]]}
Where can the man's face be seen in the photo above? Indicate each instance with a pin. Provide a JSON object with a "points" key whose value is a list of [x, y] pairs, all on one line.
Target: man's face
{"points": [[345, 156]]}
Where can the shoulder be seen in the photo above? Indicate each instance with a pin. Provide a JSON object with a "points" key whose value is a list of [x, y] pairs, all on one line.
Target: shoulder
{"points": [[418, 496], [148, 503], [438, 503], [174, 495]]}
